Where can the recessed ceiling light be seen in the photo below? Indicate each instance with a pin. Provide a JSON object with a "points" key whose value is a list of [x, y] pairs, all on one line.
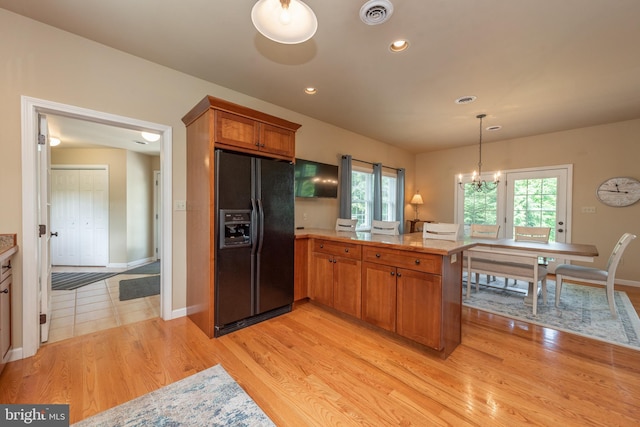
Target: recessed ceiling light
{"points": [[54, 141], [495, 127], [399, 46], [151, 137], [465, 99], [310, 90]]}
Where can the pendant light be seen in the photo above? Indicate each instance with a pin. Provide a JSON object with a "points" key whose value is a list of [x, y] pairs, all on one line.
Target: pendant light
{"points": [[477, 182], [284, 21]]}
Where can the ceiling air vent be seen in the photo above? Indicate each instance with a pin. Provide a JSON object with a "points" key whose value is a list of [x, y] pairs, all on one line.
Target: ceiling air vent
{"points": [[376, 12]]}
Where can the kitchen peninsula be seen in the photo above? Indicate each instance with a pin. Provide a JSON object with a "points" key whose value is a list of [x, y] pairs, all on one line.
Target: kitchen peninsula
{"points": [[403, 284]]}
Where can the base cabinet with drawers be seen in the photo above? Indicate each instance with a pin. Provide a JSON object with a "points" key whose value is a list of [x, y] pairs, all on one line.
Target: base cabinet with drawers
{"points": [[335, 276], [414, 294], [6, 277]]}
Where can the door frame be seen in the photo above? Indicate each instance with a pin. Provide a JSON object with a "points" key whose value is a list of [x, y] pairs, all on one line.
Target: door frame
{"points": [[31, 107]]}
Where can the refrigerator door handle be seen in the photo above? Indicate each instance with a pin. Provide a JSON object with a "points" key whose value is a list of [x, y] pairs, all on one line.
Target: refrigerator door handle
{"points": [[261, 215], [254, 228]]}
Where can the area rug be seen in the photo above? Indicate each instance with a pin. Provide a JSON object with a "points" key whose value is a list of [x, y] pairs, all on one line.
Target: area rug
{"points": [[70, 281], [152, 268], [208, 398], [583, 311], [139, 288]]}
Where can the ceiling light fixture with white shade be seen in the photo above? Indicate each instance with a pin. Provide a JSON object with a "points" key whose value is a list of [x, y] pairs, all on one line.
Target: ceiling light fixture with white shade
{"points": [[284, 21], [53, 141], [151, 137], [477, 182]]}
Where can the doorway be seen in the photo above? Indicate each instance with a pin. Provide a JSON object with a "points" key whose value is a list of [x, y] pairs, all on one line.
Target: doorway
{"points": [[31, 108]]}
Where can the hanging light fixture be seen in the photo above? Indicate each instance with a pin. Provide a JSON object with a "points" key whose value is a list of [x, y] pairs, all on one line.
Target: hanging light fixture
{"points": [[284, 21], [477, 182]]}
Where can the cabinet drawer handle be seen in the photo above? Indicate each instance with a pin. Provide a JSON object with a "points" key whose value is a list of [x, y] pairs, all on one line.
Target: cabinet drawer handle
{"points": [[393, 273], [417, 261], [261, 145], [346, 250], [377, 255], [335, 260], [257, 144], [321, 246], [399, 274], [330, 260], [5, 291]]}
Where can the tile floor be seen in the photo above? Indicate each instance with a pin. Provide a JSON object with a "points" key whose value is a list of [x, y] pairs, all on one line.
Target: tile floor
{"points": [[97, 307]]}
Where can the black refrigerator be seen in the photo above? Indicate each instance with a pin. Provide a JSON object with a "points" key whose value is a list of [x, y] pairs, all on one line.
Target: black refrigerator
{"points": [[254, 253]]}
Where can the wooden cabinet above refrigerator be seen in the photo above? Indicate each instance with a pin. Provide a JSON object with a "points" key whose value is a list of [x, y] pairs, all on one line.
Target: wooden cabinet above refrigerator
{"points": [[245, 130]]}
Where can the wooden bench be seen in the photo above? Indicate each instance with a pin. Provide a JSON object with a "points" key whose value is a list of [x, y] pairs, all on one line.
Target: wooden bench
{"points": [[508, 265]]}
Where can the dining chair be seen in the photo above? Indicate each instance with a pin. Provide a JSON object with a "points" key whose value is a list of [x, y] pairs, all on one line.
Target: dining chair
{"points": [[595, 276], [385, 227], [343, 224], [441, 231], [531, 234], [481, 231]]}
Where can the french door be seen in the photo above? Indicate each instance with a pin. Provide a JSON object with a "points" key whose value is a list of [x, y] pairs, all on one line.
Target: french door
{"points": [[538, 199]]}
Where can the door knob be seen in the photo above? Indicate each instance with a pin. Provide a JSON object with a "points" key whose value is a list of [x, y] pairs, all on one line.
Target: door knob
{"points": [[54, 234]]}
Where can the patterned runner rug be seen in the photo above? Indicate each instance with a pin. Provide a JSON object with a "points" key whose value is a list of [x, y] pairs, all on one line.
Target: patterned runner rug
{"points": [[583, 310], [208, 398]]}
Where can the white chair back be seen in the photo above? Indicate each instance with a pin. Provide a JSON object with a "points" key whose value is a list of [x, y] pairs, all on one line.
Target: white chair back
{"points": [[343, 224], [385, 227], [440, 230], [532, 234], [616, 254], [484, 231]]}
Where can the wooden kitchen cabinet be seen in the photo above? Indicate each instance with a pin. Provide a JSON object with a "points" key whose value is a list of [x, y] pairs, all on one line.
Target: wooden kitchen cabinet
{"points": [[335, 277], [419, 315], [301, 270], [6, 277], [253, 135], [402, 300], [379, 295]]}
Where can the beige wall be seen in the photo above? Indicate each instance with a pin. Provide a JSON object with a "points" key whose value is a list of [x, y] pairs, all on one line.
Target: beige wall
{"points": [[42, 62], [597, 153], [139, 207]]}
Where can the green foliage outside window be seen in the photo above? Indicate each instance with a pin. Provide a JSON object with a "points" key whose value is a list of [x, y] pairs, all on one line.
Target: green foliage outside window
{"points": [[534, 203]]}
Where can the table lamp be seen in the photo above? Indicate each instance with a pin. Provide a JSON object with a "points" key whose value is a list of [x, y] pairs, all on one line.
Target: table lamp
{"points": [[416, 201]]}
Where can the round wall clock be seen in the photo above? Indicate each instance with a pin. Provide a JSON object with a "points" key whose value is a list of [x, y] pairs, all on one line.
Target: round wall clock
{"points": [[619, 191]]}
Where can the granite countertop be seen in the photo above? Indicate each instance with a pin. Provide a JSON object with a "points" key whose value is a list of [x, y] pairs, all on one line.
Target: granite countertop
{"points": [[412, 241], [7, 243]]}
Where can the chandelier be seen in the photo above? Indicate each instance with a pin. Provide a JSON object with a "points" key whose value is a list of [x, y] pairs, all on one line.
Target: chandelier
{"points": [[477, 182]]}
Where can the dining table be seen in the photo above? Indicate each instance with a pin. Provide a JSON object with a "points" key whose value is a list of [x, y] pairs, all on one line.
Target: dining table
{"points": [[557, 250]]}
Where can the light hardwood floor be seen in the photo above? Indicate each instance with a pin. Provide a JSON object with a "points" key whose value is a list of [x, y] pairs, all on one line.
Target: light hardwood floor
{"points": [[313, 368]]}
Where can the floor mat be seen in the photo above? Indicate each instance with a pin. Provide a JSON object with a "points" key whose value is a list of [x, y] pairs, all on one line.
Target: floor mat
{"points": [[139, 288]]}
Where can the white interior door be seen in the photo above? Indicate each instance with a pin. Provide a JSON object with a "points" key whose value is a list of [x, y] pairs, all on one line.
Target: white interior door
{"points": [[44, 243], [157, 214]]}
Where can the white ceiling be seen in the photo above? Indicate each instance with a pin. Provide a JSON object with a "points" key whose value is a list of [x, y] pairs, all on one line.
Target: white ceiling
{"points": [[75, 133], [536, 66]]}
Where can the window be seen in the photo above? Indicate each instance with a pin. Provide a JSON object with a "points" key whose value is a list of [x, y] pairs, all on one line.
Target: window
{"points": [[479, 207], [362, 198]]}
